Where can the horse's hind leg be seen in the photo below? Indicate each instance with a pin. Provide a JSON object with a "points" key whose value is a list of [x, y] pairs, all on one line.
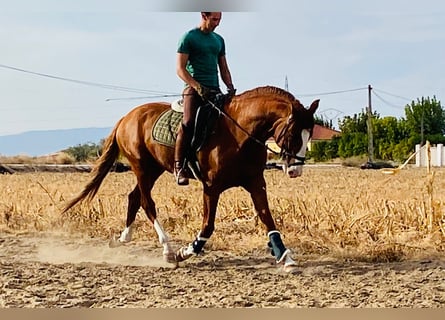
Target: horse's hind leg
{"points": [[146, 181], [134, 203]]}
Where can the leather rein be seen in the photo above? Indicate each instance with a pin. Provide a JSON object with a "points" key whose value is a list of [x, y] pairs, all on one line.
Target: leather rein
{"points": [[283, 134]]}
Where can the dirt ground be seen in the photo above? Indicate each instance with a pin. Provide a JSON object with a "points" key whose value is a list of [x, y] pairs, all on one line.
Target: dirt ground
{"points": [[61, 271]]}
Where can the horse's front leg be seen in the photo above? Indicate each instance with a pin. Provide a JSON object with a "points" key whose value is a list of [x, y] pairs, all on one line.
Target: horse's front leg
{"points": [[168, 252], [208, 226], [257, 190]]}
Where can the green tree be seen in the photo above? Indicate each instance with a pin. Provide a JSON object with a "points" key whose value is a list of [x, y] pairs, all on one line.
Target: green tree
{"points": [[354, 135], [388, 132], [426, 119], [84, 152], [354, 124], [322, 122], [352, 144]]}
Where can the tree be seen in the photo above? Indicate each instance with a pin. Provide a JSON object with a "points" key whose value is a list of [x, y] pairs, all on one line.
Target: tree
{"points": [[84, 152], [354, 124], [388, 132], [322, 122], [425, 119], [394, 139]]}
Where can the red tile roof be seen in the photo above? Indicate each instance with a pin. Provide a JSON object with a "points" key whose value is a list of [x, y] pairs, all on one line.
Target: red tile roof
{"points": [[324, 133]]}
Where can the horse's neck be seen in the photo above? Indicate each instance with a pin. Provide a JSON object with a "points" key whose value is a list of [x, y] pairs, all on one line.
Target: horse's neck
{"points": [[261, 122]]}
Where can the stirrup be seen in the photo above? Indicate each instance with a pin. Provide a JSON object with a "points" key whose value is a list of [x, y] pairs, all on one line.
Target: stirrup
{"points": [[180, 178]]}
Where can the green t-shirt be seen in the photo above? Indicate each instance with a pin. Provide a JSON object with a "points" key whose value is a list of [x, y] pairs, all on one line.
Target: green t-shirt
{"points": [[203, 49]]}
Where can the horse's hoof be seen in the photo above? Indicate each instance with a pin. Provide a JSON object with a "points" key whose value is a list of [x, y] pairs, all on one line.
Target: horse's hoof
{"points": [[182, 254], [290, 268], [114, 242], [171, 258]]}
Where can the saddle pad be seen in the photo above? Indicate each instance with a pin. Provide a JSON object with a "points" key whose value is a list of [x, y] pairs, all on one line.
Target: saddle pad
{"points": [[166, 127]]}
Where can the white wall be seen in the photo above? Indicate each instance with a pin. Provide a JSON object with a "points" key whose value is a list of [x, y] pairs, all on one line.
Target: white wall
{"points": [[437, 155]]}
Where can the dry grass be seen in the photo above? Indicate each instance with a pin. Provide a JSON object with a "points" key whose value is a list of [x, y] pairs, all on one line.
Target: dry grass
{"points": [[55, 158], [342, 212]]}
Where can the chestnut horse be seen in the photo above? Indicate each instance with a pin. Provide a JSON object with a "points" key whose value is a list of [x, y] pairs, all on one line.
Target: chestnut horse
{"points": [[235, 155]]}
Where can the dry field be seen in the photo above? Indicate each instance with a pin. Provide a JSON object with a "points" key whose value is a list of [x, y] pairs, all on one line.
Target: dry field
{"points": [[361, 237]]}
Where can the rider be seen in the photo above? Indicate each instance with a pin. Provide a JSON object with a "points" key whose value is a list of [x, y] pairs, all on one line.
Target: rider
{"points": [[200, 52]]}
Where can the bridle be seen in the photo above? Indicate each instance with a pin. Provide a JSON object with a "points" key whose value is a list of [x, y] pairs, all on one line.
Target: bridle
{"points": [[284, 134]]}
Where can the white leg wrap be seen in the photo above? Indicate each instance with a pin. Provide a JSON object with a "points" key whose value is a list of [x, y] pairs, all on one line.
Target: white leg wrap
{"points": [[188, 251], [126, 234], [272, 232], [163, 238], [168, 252]]}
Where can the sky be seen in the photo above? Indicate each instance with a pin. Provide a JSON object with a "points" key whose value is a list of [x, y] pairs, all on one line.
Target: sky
{"points": [[86, 63]]}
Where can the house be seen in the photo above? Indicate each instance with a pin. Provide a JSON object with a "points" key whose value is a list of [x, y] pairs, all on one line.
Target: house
{"points": [[320, 133]]}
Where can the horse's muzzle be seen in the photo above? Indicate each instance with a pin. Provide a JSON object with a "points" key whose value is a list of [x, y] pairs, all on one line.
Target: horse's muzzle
{"points": [[293, 170]]}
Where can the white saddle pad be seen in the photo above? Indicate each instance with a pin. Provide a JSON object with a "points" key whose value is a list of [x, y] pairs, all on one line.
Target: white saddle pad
{"points": [[177, 105]]}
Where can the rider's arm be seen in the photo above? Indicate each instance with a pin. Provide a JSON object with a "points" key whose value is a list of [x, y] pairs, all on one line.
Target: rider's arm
{"points": [[225, 72], [181, 71]]}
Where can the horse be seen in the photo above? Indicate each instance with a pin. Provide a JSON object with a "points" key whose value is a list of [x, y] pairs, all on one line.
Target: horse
{"points": [[233, 156]]}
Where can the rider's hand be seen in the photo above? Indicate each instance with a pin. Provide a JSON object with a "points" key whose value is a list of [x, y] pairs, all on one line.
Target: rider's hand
{"points": [[204, 92], [231, 91]]}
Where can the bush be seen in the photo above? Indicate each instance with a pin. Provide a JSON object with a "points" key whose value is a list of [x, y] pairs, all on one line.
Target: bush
{"points": [[84, 152]]}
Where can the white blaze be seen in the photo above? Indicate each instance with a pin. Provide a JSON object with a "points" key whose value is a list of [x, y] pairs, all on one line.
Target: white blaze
{"points": [[305, 135], [296, 171]]}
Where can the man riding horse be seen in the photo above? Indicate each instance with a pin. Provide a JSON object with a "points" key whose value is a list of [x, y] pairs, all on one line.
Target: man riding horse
{"points": [[235, 156], [200, 52]]}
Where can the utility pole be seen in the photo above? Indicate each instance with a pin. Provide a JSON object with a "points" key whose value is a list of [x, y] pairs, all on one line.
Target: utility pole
{"points": [[286, 86], [369, 125]]}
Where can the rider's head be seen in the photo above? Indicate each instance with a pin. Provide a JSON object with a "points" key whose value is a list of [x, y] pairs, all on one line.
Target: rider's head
{"points": [[210, 20]]}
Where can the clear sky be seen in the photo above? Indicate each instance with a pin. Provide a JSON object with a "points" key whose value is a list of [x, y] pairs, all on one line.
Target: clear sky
{"points": [[322, 47]]}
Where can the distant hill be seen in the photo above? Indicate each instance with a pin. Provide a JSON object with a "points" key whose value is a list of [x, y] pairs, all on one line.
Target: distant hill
{"points": [[37, 143]]}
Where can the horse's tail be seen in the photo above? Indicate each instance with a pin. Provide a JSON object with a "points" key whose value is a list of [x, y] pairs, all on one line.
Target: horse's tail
{"points": [[103, 165]]}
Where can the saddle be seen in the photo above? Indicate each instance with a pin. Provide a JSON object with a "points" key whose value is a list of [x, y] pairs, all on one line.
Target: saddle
{"points": [[166, 127]]}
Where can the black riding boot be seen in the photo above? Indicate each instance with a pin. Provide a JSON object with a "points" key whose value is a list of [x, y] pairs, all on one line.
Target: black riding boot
{"points": [[180, 174], [182, 144]]}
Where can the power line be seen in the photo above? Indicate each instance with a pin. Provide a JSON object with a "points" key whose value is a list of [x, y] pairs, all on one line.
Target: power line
{"points": [[393, 95], [387, 102], [88, 83], [331, 92], [146, 97]]}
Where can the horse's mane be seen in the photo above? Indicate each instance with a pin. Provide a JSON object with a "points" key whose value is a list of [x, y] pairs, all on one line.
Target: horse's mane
{"points": [[270, 90]]}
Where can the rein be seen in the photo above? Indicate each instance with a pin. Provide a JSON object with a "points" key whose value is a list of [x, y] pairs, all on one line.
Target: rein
{"points": [[282, 153]]}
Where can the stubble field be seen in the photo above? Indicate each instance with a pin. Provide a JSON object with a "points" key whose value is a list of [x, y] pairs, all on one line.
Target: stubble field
{"points": [[362, 238]]}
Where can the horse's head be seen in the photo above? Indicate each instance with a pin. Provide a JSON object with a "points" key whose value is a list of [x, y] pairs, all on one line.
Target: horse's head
{"points": [[295, 136]]}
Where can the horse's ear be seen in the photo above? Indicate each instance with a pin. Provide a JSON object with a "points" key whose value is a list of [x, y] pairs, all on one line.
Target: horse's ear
{"points": [[314, 105]]}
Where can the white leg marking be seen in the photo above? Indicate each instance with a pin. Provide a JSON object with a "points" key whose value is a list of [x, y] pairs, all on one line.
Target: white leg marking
{"points": [[169, 254], [126, 234], [163, 237]]}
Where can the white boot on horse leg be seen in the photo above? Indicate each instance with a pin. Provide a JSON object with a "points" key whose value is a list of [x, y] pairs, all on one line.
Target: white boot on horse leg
{"points": [[168, 252], [125, 237], [184, 253], [193, 248]]}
